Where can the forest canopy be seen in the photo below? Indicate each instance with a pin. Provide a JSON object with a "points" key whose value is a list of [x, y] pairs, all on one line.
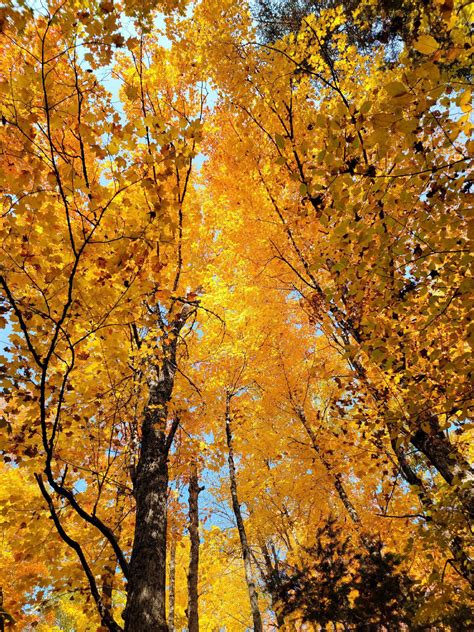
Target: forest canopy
{"points": [[235, 291]]}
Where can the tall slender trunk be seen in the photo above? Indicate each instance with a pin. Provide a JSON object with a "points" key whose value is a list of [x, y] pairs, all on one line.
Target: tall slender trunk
{"points": [[436, 447], [172, 586], [256, 616], [367, 540], [193, 571], [433, 444], [336, 477]]}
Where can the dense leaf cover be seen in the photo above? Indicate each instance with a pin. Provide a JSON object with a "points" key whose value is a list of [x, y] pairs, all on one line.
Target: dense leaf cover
{"points": [[235, 269]]}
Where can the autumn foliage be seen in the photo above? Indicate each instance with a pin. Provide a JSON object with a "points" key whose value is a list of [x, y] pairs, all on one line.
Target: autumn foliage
{"points": [[236, 300]]}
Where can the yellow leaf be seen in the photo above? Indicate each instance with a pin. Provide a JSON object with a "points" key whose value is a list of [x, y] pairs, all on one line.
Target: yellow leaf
{"points": [[280, 141], [426, 45], [396, 88], [465, 101]]}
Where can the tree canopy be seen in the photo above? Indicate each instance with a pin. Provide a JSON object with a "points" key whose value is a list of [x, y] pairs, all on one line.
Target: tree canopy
{"points": [[236, 300]]}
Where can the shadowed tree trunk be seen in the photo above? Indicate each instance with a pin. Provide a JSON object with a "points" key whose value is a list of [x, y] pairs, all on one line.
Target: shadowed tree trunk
{"points": [[193, 571], [145, 610], [433, 443], [146, 596], [462, 560], [272, 581], [246, 554], [108, 582], [448, 461], [436, 447]]}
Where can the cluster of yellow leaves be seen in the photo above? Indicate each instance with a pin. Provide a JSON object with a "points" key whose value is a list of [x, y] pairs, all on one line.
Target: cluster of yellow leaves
{"points": [[324, 246]]}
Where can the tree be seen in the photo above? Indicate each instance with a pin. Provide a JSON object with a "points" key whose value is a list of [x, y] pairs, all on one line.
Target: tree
{"points": [[289, 320], [365, 592], [367, 25], [81, 166], [244, 543], [193, 572], [309, 170]]}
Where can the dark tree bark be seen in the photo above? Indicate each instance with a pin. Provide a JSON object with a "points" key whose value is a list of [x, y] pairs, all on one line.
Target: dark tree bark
{"points": [[146, 595], [448, 461], [108, 583], [271, 579], [246, 553], [433, 444], [193, 571], [145, 610], [172, 586], [461, 559]]}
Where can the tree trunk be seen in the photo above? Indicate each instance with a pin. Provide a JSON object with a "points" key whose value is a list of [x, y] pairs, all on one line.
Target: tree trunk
{"points": [[257, 619], [272, 583], [146, 598], [336, 477], [435, 446], [193, 572], [461, 559], [445, 457], [172, 586], [146, 594], [108, 578]]}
